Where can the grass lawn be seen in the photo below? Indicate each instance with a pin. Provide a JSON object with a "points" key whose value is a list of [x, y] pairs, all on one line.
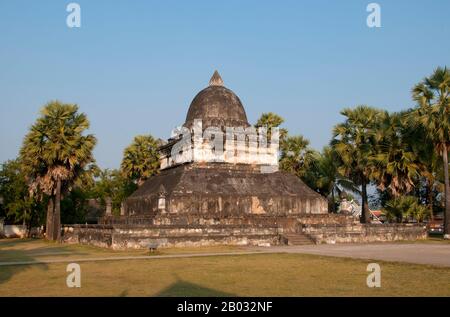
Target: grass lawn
{"points": [[237, 275]]}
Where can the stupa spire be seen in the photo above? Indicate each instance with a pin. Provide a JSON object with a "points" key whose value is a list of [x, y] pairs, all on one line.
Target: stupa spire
{"points": [[216, 80]]}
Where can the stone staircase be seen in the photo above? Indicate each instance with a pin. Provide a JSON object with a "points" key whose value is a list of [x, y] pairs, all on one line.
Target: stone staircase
{"points": [[297, 239]]}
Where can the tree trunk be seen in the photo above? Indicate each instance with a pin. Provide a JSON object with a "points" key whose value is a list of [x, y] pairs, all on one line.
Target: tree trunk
{"points": [[30, 225], [24, 226], [49, 221], [57, 217], [365, 215], [447, 195], [430, 197], [333, 205]]}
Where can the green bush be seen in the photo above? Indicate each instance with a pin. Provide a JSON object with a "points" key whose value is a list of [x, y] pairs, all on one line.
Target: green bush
{"points": [[405, 209]]}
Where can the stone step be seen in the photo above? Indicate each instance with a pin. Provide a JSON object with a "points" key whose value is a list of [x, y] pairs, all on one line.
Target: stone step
{"points": [[298, 239]]}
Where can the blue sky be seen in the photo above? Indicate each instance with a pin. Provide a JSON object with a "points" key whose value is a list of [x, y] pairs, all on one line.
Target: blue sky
{"points": [[134, 66]]}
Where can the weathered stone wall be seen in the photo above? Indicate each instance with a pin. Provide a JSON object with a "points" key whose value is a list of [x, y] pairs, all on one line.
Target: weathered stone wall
{"points": [[285, 224], [229, 205], [234, 145], [141, 236], [199, 230], [224, 189], [289, 223], [236, 205], [359, 233], [98, 235]]}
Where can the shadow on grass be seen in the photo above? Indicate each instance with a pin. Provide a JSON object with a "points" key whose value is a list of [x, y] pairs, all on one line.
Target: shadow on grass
{"points": [[183, 289], [22, 255], [17, 255], [8, 271], [6, 243]]}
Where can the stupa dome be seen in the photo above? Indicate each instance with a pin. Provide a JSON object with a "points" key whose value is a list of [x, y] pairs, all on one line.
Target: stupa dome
{"points": [[218, 106]]}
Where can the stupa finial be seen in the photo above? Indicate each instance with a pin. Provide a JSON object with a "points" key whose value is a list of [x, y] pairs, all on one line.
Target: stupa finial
{"points": [[216, 80]]}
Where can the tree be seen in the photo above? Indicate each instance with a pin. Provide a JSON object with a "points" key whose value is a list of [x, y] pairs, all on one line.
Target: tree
{"points": [[141, 159], [428, 159], [354, 142], [19, 206], [112, 184], [433, 97], [75, 205], [54, 154], [269, 121], [296, 156], [328, 179], [397, 165], [405, 207]]}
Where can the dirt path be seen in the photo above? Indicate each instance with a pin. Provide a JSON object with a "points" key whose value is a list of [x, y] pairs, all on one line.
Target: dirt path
{"points": [[417, 253]]}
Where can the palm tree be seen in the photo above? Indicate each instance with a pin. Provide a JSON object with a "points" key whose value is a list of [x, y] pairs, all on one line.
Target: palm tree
{"points": [[433, 98], [54, 154], [141, 159], [296, 156], [397, 165], [354, 142], [428, 160], [404, 208], [328, 179], [269, 121]]}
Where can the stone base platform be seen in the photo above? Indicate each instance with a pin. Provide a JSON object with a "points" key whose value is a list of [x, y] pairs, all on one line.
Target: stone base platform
{"points": [[362, 233], [143, 236], [210, 229]]}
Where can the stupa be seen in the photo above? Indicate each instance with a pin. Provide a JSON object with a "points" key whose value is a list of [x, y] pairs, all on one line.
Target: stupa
{"points": [[219, 183], [240, 179]]}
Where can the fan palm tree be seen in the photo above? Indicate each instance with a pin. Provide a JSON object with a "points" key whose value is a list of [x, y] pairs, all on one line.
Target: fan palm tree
{"points": [[141, 159], [354, 142], [328, 179], [433, 97], [404, 208], [269, 121], [416, 137], [54, 154], [397, 165], [296, 156]]}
